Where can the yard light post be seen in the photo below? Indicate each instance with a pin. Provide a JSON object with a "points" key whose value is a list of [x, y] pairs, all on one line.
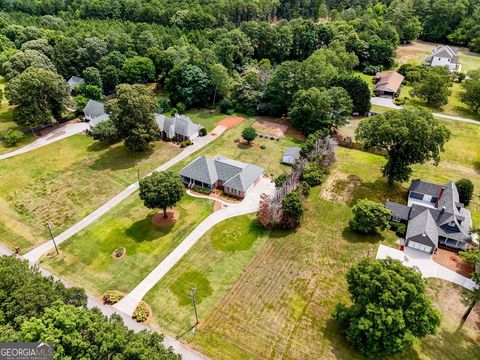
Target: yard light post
{"points": [[49, 226]]}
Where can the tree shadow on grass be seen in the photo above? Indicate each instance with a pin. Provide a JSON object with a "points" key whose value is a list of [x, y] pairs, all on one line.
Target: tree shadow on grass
{"points": [[354, 237], [450, 345], [144, 230], [118, 158], [476, 166], [379, 191], [280, 234]]}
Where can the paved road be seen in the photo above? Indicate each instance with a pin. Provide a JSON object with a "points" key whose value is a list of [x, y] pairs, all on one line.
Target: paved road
{"points": [[34, 255], [246, 206], [424, 262], [388, 103], [58, 134], [4, 250]]}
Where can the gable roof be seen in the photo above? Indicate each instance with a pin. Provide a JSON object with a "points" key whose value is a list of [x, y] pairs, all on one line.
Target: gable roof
{"points": [[74, 81], [423, 187], [423, 225], [94, 109], [444, 51], [234, 174], [179, 124], [388, 81], [292, 151]]}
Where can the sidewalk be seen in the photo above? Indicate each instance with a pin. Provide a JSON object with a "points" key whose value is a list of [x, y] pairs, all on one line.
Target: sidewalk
{"points": [[34, 255], [246, 206]]}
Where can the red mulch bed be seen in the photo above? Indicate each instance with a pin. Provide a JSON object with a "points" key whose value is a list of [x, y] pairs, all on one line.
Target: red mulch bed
{"points": [[452, 261], [231, 121], [159, 221]]}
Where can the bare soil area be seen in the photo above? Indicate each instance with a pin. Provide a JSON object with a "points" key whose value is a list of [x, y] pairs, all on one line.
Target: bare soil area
{"points": [[159, 221], [451, 260], [231, 121], [340, 187]]}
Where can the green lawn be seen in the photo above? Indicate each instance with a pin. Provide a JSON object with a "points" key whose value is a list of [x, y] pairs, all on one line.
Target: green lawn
{"points": [[64, 182], [212, 265], [207, 118], [86, 258]]}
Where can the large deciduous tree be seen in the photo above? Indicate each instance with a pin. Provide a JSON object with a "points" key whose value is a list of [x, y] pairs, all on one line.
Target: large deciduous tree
{"points": [[465, 190], [317, 109], [390, 308], [369, 216], [292, 211], [161, 190], [357, 89], [408, 136], [471, 298], [22, 60], [188, 84], [138, 70], [434, 87], [220, 81], [39, 95], [470, 95], [132, 114]]}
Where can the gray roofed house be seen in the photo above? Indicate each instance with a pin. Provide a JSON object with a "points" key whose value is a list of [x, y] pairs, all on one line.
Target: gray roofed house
{"points": [[178, 127], [422, 232], [444, 55], [95, 113], [291, 154], [74, 81], [234, 177], [452, 220]]}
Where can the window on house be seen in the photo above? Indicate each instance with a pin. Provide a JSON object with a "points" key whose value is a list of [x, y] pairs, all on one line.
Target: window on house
{"points": [[394, 218], [417, 196]]}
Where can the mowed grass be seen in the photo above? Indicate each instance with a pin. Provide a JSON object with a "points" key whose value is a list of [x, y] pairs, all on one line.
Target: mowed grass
{"points": [[64, 182], [207, 118], [86, 258], [212, 265]]}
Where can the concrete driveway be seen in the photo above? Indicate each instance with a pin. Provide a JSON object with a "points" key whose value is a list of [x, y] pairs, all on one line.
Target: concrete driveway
{"points": [[60, 133], [425, 264], [248, 205]]}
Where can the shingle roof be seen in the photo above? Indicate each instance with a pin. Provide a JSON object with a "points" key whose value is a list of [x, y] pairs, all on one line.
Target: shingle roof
{"points": [[444, 51], [95, 121], [179, 124], [292, 151], [388, 81], [422, 187], [423, 224], [94, 108], [398, 210], [235, 174], [74, 81]]}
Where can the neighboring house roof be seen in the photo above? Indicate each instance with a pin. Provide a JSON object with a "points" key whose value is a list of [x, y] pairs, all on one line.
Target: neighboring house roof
{"points": [[293, 151], [451, 218], [234, 174], [95, 121], [444, 51], [389, 81], [423, 225], [179, 124], [74, 81], [94, 108]]}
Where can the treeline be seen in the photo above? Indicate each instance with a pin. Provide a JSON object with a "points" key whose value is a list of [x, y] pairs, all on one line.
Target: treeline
{"points": [[34, 308]]}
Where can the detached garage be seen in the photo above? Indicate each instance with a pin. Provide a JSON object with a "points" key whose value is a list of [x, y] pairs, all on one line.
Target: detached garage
{"points": [[422, 233]]}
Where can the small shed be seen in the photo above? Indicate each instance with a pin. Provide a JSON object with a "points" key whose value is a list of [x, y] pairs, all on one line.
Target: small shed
{"points": [[74, 81], [290, 155]]}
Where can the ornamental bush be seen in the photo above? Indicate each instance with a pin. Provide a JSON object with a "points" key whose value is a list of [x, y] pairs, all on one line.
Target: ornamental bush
{"points": [[13, 137], [141, 312], [368, 216], [112, 296]]}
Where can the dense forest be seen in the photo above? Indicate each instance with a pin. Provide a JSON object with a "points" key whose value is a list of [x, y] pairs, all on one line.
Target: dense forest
{"points": [[259, 57]]}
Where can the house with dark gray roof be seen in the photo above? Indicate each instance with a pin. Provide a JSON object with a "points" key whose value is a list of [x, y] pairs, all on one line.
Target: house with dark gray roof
{"points": [[434, 217], [95, 113], [291, 154], [444, 55], [233, 177], [74, 81], [177, 128]]}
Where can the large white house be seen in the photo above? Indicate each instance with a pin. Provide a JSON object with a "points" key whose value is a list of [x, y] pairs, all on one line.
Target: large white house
{"points": [[444, 55]]}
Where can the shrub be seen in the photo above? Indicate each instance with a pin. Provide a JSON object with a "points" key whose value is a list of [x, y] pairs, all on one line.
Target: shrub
{"points": [[293, 210], [399, 101], [141, 312], [304, 188], [112, 296], [105, 132], [465, 190], [163, 104], [263, 147], [203, 132], [185, 143], [313, 175], [249, 134], [13, 137], [280, 180], [201, 190], [181, 108], [372, 70], [401, 230]]}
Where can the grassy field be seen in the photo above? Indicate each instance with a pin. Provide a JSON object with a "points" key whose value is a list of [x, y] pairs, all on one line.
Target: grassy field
{"points": [[64, 182], [86, 259], [206, 118]]}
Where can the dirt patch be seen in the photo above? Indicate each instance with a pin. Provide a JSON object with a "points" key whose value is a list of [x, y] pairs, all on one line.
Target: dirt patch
{"points": [[269, 127], [414, 52], [217, 205], [451, 260], [159, 221], [119, 253], [231, 121], [339, 187]]}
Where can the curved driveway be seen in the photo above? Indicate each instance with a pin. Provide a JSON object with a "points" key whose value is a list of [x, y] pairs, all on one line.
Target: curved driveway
{"points": [[248, 205]]}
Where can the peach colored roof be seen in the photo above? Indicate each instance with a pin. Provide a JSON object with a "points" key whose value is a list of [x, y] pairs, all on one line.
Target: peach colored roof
{"points": [[388, 81]]}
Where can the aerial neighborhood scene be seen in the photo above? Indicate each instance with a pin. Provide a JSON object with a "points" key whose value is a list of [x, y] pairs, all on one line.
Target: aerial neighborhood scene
{"points": [[240, 179]]}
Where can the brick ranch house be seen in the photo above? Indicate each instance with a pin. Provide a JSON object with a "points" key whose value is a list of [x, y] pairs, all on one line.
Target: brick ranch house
{"points": [[233, 177]]}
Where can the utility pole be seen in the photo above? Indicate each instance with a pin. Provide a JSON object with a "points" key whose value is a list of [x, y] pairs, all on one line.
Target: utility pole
{"points": [[49, 225], [194, 301]]}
